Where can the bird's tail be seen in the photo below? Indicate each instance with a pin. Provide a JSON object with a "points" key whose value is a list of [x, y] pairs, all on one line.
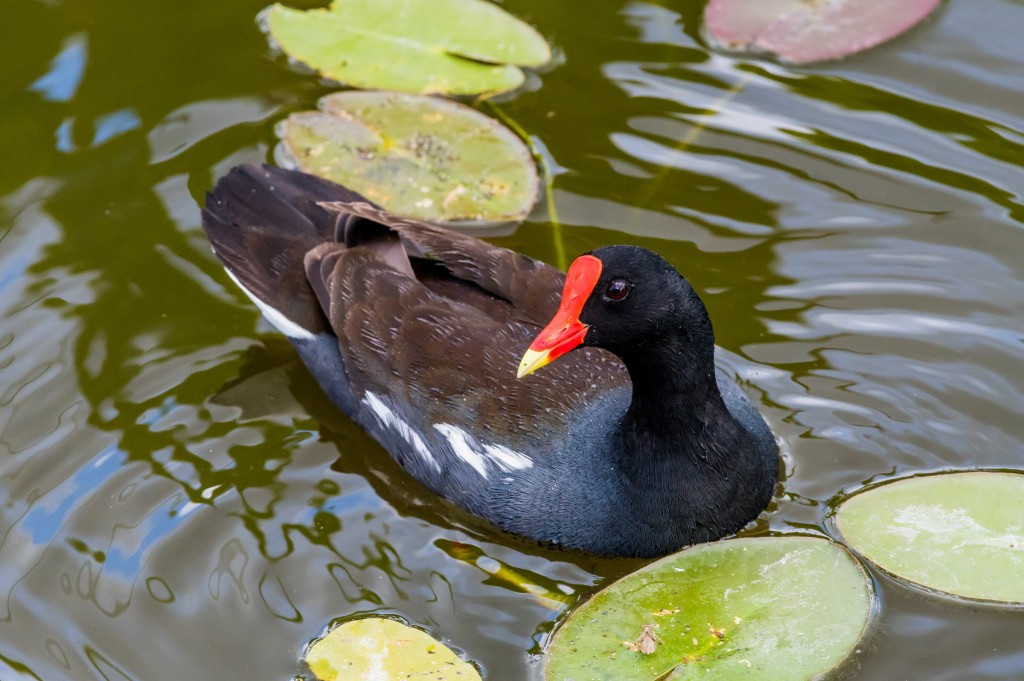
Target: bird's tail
{"points": [[262, 221]]}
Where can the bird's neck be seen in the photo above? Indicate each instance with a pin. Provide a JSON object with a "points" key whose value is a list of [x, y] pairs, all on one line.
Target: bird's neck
{"points": [[685, 463], [677, 416]]}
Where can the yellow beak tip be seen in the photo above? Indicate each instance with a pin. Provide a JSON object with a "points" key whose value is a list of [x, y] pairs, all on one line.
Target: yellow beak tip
{"points": [[532, 360]]}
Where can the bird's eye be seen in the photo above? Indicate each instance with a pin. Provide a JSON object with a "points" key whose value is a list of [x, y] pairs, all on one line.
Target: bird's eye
{"points": [[617, 289]]}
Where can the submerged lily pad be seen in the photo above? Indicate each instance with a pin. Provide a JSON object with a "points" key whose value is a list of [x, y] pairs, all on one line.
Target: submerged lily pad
{"points": [[771, 609], [960, 533], [419, 46], [798, 31], [417, 156], [385, 650]]}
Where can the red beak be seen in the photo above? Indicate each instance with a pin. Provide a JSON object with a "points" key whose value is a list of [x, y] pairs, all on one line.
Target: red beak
{"points": [[565, 331]]}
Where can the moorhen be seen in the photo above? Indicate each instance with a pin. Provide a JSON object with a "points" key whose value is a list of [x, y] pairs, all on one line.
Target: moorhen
{"points": [[631, 444]]}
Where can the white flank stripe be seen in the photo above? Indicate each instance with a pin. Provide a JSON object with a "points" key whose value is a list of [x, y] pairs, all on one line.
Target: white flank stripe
{"points": [[280, 322], [507, 459], [463, 448], [389, 419]]}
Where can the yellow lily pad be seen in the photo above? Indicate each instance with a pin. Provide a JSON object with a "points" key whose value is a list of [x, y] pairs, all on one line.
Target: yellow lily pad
{"points": [[385, 650]]}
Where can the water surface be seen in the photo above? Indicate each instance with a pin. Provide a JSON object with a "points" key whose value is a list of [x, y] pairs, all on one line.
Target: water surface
{"points": [[180, 501]]}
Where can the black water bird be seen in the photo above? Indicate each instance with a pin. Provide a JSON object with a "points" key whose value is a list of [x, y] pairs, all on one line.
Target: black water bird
{"points": [[631, 443]]}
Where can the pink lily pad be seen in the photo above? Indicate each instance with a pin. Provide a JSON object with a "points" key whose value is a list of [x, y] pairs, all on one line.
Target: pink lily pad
{"points": [[802, 31]]}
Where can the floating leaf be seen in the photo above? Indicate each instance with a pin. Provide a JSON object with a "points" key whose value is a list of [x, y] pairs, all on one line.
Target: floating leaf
{"points": [[385, 650], [771, 609], [418, 46], [418, 156], [961, 533], [799, 31]]}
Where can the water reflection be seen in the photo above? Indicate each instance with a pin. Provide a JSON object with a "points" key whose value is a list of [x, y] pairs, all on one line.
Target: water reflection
{"points": [[61, 81]]}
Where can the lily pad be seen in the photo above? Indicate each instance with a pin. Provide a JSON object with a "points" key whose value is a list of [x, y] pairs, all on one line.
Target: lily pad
{"points": [[385, 650], [417, 156], [959, 533], [767, 608], [420, 46], [801, 31]]}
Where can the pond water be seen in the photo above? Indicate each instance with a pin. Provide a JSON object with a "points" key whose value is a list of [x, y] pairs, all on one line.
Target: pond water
{"points": [[180, 501]]}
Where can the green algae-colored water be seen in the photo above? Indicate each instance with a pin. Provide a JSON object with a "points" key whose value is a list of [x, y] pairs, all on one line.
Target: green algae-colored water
{"points": [[178, 500]]}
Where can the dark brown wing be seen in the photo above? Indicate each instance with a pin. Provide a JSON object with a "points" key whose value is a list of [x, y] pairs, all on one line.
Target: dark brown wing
{"points": [[430, 326], [433, 357], [531, 287]]}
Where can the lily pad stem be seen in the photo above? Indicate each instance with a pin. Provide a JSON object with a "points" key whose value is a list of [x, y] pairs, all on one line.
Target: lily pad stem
{"points": [[549, 181]]}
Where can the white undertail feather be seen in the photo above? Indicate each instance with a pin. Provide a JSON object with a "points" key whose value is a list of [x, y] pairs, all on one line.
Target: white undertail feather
{"points": [[279, 321]]}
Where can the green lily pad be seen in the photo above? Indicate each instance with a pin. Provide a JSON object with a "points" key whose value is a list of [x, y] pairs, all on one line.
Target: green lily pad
{"points": [[385, 650], [959, 533], [418, 46], [417, 156], [767, 608]]}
